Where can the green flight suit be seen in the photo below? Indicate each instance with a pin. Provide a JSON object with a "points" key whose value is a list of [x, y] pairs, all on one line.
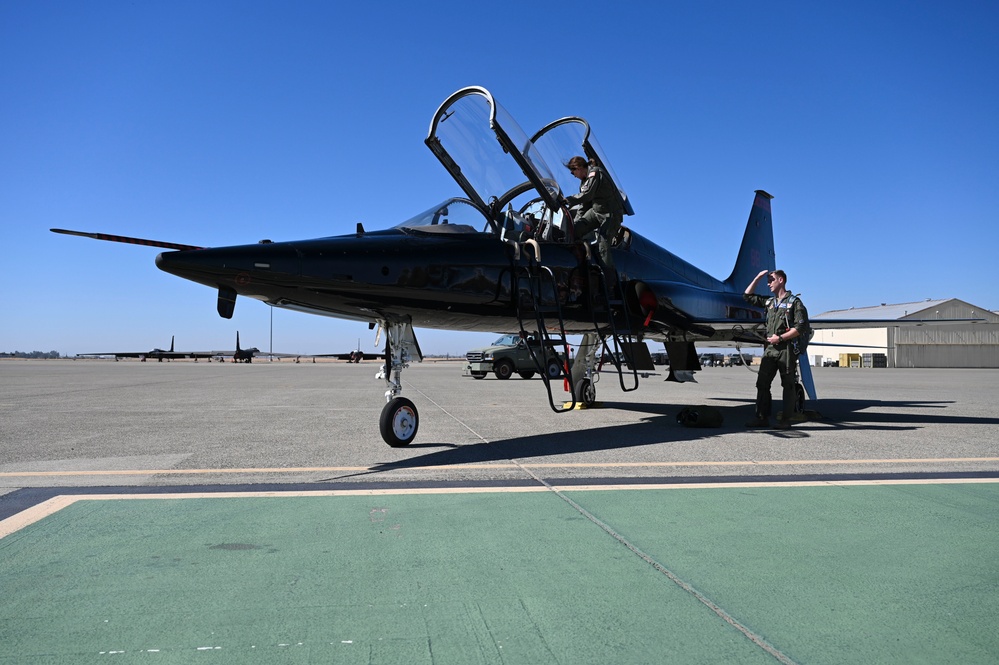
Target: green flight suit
{"points": [[600, 210], [779, 358]]}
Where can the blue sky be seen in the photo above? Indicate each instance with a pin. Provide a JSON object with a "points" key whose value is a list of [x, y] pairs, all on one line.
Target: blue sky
{"points": [[211, 123]]}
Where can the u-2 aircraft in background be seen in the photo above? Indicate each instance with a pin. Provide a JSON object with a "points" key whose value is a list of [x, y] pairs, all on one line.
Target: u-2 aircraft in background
{"points": [[502, 259], [156, 354], [240, 355]]}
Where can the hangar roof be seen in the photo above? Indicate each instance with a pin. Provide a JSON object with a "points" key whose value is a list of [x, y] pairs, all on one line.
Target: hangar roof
{"points": [[883, 311], [950, 308]]}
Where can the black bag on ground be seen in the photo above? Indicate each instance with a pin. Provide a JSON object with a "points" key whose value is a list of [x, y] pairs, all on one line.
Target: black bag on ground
{"points": [[700, 416]]}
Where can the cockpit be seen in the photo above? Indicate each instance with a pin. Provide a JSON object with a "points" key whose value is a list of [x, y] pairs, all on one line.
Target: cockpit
{"points": [[514, 184], [461, 216]]}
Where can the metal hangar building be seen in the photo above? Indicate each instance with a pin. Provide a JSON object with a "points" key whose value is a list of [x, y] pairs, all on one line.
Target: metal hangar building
{"points": [[972, 345]]}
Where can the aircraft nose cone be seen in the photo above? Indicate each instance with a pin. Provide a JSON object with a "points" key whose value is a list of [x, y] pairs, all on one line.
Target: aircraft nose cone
{"points": [[176, 263], [205, 266], [167, 262], [238, 265]]}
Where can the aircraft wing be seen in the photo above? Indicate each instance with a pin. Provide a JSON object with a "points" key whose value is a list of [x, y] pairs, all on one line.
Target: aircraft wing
{"points": [[256, 354], [847, 324], [347, 356], [727, 331], [168, 355], [119, 354]]}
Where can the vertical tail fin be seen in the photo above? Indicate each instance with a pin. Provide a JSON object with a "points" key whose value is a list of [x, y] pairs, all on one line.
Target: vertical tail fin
{"points": [[171, 343], [757, 250], [237, 342]]}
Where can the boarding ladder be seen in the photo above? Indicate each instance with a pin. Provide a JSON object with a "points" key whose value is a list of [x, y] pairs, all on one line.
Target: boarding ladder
{"points": [[619, 348], [537, 282]]}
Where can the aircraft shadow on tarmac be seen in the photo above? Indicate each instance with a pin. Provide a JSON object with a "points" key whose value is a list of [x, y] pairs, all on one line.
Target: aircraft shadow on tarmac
{"points": [[661, 426]]}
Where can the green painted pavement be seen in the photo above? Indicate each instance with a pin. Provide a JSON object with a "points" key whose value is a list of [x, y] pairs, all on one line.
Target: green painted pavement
{"points": [[823, 574], [839, 574]]}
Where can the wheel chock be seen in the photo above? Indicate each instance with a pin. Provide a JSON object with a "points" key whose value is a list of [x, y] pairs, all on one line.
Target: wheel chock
{"points": [[580, 406]]}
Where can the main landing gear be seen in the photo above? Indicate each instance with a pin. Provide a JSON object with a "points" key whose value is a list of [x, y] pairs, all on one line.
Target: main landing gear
{"points": [[584, 375], [400, 419]]}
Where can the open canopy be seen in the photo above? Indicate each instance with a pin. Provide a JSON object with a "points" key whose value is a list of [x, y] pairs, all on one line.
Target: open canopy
{"points": [[560, 141], [516, 182], [487, 153]]}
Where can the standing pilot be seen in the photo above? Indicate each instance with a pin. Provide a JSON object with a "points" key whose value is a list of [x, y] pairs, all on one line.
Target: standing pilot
{"points": [[786, 318]]}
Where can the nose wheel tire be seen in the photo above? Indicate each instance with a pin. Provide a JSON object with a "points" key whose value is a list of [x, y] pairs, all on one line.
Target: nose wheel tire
{"points": [[399, 422]]}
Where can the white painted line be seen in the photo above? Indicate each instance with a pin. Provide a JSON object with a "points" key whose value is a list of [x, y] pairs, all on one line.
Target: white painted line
{"points": [[57, 503], [503, 466]]}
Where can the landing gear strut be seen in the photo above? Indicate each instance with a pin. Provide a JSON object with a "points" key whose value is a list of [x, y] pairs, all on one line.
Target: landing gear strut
{"points": [[400, 419], [584, 375]]}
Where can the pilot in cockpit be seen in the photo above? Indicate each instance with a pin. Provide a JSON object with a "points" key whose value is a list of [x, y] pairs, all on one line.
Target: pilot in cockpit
{"points": [[596, 208]]}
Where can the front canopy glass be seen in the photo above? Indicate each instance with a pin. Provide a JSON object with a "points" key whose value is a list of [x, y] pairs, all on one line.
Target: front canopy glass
{"points": [[488, 154]]}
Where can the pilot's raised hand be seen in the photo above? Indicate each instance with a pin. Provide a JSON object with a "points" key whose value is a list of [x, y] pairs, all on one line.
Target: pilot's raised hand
{"points": [[752, 284]]}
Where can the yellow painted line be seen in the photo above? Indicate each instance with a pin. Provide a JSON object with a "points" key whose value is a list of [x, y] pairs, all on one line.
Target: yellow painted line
{"points": [[57, 503], [493, 467], [34, 513], [184, 472]]}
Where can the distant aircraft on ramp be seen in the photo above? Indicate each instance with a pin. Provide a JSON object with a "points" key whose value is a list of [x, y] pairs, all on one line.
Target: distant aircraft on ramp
{"points": [[157, 354]]}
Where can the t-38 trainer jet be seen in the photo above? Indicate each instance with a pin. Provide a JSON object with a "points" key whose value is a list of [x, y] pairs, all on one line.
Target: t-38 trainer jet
{"points": [[503, 258]]}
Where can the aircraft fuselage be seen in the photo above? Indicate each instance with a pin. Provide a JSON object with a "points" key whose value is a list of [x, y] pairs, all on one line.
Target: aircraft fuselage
{"points": [[460, 281]]}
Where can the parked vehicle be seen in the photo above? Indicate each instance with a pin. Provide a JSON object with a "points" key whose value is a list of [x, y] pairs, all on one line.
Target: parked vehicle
{"points": [[512, 354], [712, 360]]}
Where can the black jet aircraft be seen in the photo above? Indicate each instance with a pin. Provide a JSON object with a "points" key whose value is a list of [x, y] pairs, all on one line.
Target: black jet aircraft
{"points": [[501, 259], [354, 356], [156, 354], [240, 355]]}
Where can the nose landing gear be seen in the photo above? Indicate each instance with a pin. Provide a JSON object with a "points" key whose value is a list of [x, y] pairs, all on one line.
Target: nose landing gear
{"points": [[399, 420]]}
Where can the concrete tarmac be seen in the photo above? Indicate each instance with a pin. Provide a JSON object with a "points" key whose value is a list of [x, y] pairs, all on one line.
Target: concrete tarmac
{"points": [[77, 423], [251, 513]]}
